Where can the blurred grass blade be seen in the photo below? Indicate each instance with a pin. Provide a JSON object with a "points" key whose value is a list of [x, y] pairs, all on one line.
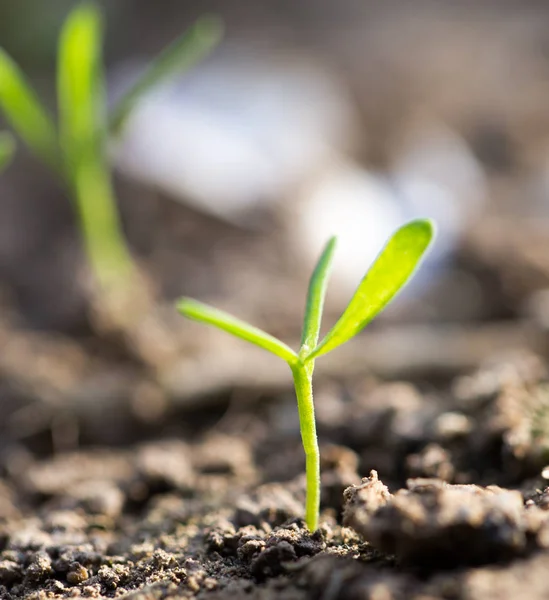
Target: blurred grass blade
{"points": [[315, 298], [26, 114], [82, 125], [79, 82], [7, 149], [212, 316], [181, 55], [391, 270], [100, 225]]}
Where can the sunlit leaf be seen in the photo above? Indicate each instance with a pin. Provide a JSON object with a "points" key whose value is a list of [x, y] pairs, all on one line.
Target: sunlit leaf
{"points": [[315, 298], [82, 124], [25, 113], [212, 316], [392, 269], [80, 82], [181, 55]]}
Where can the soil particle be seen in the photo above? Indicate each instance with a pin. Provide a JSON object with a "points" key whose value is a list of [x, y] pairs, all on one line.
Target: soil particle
{"points": [[224, 455], [516, 369], [339, 466], [10, 572], [77, 574], [432, 461], [389, 414], [451, 426], [523, 579], [97, 497], [8, 503], [165, 466], [523, 416], [270, 504], [433, 523], [342, 578], [61, 474], [362, 501], [39, 567]]}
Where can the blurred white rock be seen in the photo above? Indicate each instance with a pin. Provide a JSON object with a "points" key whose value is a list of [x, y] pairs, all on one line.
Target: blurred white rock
{"points": [[243, 132], [359, 207], [435, 175], [236, 133]]}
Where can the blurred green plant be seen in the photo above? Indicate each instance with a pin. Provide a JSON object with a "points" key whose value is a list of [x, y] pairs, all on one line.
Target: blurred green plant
{"points": [[7, 149], [392, 269], [76, 148]]}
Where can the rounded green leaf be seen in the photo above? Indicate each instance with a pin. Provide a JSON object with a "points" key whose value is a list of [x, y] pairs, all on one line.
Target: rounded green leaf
{"points": [[386, 277]]}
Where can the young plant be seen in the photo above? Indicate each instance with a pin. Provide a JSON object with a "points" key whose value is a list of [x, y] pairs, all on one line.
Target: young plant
{"points": [[386, 277], [76, 148]]}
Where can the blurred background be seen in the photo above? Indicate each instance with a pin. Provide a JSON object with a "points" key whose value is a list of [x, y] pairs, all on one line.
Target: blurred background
{"points": [[309, 119]]}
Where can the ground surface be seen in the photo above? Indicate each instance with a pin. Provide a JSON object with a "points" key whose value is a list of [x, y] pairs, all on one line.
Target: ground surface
{"points": [[219, 515]]}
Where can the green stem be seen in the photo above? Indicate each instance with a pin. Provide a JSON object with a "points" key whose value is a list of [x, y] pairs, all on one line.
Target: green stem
{"points": [[303, 373], [104, 241]]}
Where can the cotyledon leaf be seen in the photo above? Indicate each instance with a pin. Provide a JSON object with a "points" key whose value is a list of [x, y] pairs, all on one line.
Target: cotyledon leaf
{"points": [[315, 298], [197, 311], [386, 277]]}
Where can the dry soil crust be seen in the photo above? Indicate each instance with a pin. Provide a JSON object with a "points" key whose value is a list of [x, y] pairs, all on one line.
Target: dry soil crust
{"points": [[207, 518]]}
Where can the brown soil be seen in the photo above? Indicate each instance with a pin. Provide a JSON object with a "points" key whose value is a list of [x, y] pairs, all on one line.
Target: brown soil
{"points": [[220, 514]]}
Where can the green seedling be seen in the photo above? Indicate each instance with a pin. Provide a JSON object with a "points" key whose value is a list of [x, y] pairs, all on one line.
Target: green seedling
{"points": [[76, 148], [391, 270]]}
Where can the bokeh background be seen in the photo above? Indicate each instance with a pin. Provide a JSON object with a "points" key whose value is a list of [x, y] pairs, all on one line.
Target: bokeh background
{"points": [[309, 119]]}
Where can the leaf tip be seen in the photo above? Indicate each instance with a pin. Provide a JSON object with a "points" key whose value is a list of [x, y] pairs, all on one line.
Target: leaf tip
{"points": [[425, 227], [418, 234], [184, 305], [86, 18]]}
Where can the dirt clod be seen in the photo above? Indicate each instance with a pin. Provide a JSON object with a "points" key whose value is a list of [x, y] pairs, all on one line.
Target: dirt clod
{"points": [[434, 523]]}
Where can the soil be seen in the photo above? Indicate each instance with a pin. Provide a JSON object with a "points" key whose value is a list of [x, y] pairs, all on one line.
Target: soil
{"points": [[219, 515]]}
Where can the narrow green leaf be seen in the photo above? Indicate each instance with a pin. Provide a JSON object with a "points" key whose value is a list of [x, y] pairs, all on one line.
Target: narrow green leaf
{"points": [[80, 82], [315, 298], [181, 55], [7, 149], [104, 241], [212, 316], [26, 114], [82, 128], [391, 270]]}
